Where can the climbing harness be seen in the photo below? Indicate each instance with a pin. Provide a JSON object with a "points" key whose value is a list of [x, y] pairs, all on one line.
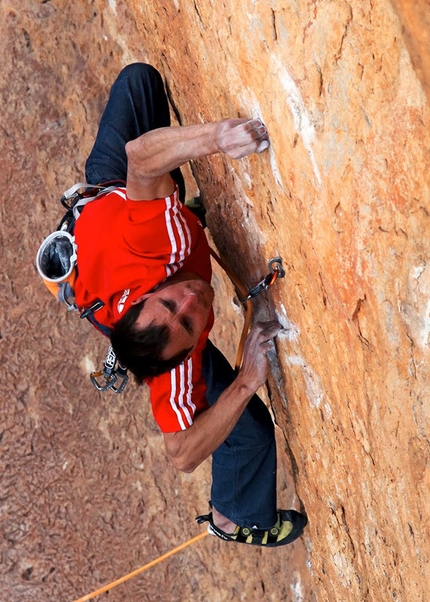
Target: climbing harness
{"points": [[56, 262], [78, 195], [56, 257]]}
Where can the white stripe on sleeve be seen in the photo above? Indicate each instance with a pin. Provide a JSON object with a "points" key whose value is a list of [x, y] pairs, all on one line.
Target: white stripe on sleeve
{"points": [[181, 398], [187, 233], [190, 385], [121, 192], [177, 229], [172, 398], [168, 220]]}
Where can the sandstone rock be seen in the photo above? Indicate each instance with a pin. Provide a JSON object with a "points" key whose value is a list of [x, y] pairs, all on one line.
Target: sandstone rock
{"points": [[342, 196]]}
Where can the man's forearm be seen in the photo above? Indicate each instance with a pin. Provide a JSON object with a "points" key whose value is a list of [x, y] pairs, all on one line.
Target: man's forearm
{"points": [[187, 449], [152, 156], [160, 151]]}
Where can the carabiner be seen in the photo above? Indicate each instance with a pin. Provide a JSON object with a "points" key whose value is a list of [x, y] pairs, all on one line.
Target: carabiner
{"points": [[113, 372], [275, 266], [276, 271], [110, 380]]}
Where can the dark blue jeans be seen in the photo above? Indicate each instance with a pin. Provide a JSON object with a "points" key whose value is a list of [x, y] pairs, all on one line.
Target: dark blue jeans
{"points": [[244, 466]]}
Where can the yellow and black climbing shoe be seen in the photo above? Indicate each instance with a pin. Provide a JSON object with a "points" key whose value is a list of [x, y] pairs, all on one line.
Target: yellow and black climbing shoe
{"points": [[288, 527]]}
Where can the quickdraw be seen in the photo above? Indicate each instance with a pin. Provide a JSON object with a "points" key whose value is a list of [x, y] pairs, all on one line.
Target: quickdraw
{"points": [[276, 271]]}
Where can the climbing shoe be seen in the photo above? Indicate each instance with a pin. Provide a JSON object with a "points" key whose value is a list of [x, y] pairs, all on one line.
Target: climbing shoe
{"points": [[288, 527]]}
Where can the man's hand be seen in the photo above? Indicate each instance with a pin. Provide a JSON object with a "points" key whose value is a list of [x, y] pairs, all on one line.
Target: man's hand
{"points": [[255, 364], [239, 138]]}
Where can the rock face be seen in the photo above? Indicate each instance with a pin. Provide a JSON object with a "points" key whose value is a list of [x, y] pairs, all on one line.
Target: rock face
{"points": [[342, 195]]}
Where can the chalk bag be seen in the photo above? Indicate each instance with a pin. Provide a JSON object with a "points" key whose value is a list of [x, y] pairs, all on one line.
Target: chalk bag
{"points": [[56, 263]]}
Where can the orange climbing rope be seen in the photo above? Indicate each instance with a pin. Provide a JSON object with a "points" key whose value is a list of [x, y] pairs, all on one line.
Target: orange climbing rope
{"points": [[276, 271], [248, 315], [106, 588]]}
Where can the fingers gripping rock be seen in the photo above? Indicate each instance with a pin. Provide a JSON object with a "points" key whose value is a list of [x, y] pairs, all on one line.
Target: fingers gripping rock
{"points": [[255, 363], [239, 138]]}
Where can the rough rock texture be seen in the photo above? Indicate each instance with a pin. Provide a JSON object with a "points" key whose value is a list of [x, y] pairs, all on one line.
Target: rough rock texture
{"points": [[343, 195]]}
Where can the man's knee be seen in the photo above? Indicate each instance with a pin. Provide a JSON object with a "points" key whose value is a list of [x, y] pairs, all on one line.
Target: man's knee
{"points": [[140, 71]]}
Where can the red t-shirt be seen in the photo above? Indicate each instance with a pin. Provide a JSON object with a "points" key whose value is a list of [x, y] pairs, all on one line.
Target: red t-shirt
{"points": [[125, 249]]}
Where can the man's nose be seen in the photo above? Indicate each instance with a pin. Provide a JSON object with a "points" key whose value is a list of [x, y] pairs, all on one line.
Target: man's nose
{"points": [[189, 302]]}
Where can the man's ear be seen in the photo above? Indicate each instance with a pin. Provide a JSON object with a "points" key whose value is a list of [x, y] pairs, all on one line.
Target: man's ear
{"points": [[141, 298]]}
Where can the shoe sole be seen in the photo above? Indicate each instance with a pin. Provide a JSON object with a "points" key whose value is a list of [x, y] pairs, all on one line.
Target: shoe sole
{"points": [[298, 520]]}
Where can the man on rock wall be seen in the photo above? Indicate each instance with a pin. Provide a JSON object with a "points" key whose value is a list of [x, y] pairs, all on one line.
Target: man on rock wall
{"points": [[144, 255]]}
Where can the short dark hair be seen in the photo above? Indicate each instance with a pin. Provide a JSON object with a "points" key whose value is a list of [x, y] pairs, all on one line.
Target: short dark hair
{"points": [[140, 350]]}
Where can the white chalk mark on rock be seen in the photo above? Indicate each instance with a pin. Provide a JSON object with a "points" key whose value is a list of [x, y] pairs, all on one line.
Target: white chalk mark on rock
{"points": [[415, 309], [314, 390], [254, 111], [290, 331], [87, 365], [297, 588], [302, 118]]}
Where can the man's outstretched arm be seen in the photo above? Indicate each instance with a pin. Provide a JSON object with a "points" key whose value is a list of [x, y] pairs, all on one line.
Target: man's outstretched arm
{"points": [[152, 156], [187, 449]]}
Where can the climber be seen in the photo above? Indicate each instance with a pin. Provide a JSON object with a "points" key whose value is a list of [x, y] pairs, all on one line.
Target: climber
{"points": [[143, 258]]}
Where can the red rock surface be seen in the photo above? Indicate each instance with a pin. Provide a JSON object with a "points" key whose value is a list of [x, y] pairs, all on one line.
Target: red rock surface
{"points": [[86, 492]]}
